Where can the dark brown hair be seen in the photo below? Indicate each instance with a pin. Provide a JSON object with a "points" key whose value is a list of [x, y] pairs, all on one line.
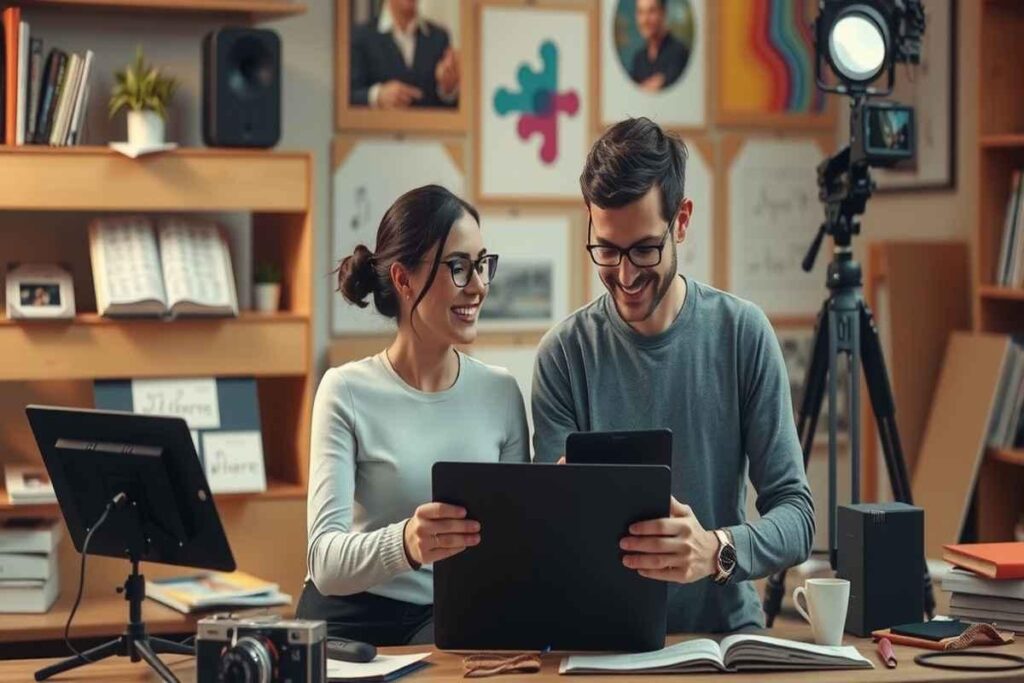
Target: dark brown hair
{"points": [[418, 221], [627, 161]]}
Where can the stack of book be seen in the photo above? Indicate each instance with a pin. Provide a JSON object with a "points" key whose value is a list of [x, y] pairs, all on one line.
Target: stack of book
{"points": [[1010, 266], [29, 576], [43, 101], [987, 583], [28, 485], [215, 591]]}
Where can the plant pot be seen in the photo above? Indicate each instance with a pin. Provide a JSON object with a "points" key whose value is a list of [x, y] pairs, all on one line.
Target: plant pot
{"points": [[266, 296], [145, 128]]}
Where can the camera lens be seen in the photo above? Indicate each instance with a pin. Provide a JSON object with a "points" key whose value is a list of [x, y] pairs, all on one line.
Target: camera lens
{"points": [[250, 660]]}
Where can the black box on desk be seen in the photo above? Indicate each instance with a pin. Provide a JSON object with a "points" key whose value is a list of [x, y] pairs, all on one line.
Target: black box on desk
{"points": [[881, 554]]}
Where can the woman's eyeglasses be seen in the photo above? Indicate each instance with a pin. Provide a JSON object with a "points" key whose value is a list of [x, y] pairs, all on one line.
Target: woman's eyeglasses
{"points": [[462, 269]]}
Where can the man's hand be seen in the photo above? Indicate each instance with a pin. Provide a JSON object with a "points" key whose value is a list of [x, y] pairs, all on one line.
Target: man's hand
{"points": [[676, 549], [397, 95], [653, 83], [447, 72], [436, 531]]}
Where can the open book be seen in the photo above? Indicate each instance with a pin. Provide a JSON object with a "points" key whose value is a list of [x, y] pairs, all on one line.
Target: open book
{"points": [[181, 268], [734, 653]]}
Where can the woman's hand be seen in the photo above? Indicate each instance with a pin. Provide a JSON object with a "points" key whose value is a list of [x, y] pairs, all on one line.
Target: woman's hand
{"points": [[437, 531]]}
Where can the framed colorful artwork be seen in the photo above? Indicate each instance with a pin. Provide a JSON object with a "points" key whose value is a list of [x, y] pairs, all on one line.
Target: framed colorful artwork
{"points": [[386, 82], [537, 79], [368, 175], [653, 61], [765, 66]]}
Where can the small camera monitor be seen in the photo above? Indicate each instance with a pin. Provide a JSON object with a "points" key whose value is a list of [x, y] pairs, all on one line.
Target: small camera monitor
{"points": [[888, 133], [166, 513]]}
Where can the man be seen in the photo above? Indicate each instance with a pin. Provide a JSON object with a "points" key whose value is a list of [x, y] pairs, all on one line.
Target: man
{"points": [[662, 58], [659, 350], [402, 60]]}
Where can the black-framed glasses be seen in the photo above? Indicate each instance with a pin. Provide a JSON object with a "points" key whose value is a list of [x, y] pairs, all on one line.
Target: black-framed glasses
{"points": [[462, 269], [640, 255]]}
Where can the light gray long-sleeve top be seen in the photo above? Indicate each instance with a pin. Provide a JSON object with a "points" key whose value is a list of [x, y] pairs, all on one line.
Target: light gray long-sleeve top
{"points": [[717, 379], [374, 440]]}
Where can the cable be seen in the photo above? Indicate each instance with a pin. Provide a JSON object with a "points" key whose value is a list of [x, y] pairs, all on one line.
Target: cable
{"points": [[81, 574]]}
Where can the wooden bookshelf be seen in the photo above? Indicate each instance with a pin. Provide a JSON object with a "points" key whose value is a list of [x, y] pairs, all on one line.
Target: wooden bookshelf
{"points": [[50, 194], [247, 10], [1000, 492]]}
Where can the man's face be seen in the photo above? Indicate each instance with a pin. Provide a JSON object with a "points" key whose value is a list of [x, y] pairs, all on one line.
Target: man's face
{"points": [[403, 8], [650, 18], [637, 291]]}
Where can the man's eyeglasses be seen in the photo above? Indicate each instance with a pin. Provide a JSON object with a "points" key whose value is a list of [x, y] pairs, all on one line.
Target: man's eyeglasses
{"points": [[462, 269], [641, 256]]}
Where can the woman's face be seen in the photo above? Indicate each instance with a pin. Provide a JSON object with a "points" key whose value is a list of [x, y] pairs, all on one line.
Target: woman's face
{"points": [[448, 313]]}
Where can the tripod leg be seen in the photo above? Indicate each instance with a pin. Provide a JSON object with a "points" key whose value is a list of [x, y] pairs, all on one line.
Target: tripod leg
{"points": [[163, 646], [806, 425], [154, 662], [884, 408], [109, 649]]}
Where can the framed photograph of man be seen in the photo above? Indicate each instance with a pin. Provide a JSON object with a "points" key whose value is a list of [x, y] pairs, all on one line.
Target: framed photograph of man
{"points": [[400, 65], [653, 61]]}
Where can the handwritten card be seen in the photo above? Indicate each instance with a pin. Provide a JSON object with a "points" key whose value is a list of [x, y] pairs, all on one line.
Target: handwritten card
{"points": [[195, 400], [233, 461]]}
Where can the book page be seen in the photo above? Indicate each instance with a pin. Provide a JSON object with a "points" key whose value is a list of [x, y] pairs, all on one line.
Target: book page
{"points": [[672, 658], [129, 259], [765, 650], [196, 263]]}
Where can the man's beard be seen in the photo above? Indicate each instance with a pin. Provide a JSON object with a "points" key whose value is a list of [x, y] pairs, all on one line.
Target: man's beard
{"points": [[662, 283]]}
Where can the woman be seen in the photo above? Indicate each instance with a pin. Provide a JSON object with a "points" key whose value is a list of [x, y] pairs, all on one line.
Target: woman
{"points": [[380, 423]]}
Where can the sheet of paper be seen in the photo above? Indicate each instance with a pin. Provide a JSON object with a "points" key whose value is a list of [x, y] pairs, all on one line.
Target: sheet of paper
{"points": [[195, 400], [233, 461], [193, 258], [383, 665], [131, 261], [691, 650]]}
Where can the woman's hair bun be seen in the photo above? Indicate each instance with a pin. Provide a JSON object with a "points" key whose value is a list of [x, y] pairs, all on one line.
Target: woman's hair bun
{"points": [[357, 278]]}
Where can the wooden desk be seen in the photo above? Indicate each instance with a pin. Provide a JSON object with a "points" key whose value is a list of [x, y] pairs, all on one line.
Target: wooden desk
{"points": [[447, 668]]}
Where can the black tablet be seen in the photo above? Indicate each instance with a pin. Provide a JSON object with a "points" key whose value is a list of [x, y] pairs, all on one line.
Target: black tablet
{"points": [[638, 447], [548, 571]]}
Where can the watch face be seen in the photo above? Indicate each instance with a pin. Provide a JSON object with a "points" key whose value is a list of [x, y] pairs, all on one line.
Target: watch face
{"points": [[727, 558]]}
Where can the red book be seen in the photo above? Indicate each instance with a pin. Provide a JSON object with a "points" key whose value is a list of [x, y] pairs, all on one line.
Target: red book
{"points": [[11, 25], [994, 560]]}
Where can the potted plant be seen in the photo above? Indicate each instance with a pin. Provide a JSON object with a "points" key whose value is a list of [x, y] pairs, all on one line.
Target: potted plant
{"points": [[267, 288], [145, 92]]}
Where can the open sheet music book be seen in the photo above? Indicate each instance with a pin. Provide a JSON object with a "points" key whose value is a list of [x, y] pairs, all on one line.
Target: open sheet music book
{"points": [[734, 653], [181, 267]]}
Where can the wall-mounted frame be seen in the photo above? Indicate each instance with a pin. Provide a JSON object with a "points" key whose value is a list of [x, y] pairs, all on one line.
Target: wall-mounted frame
{"points": [[764, 66], [768, 205], [355, 43], [367, 175], [697, 254], [675, 88], [536, 80]]}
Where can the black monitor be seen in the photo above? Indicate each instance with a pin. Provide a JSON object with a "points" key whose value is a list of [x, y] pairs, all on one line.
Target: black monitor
{"points": [[169, 516]]}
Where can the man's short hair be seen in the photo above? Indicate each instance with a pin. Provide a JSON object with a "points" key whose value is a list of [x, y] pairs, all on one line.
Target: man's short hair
{"points": [[628, 160]]}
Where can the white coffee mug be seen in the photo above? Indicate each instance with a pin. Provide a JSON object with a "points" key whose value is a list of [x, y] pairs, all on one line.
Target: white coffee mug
{"points": [[827, 600]]}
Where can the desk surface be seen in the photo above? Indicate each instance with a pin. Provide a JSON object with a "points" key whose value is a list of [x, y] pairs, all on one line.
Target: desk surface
{"points": [[448, 667]]}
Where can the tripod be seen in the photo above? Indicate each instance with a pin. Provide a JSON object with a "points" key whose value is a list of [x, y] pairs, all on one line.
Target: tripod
{"points": [[845, 326], [133, 643]]}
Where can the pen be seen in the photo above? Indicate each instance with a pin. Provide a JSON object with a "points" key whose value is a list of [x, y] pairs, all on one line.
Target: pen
{"points": [[886, 653]]}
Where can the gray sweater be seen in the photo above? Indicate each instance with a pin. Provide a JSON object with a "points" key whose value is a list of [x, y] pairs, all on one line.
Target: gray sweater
{"points": [[374, 440], [717, 379]]}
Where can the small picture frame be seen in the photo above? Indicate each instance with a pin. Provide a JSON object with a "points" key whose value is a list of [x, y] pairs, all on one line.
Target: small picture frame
{"points": [[39, 292]]}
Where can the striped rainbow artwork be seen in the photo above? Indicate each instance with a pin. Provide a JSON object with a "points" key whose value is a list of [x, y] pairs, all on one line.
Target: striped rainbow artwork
{"points": [[767, 58]]}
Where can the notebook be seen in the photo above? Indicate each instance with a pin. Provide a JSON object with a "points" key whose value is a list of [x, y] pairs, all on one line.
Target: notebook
{"points": [[994, 560], [382, 668], [734, 653]]}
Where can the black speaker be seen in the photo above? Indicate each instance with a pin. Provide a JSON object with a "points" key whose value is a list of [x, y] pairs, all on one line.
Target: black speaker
{"points": [[241, 87], [881, 552]]}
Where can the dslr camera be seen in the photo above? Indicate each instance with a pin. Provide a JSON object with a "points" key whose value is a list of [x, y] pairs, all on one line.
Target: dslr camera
{"points": [[260, 650]]}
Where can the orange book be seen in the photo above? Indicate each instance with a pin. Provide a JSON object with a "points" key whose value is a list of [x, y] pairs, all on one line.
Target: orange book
{"points": [[11, 26], [994, 560]]}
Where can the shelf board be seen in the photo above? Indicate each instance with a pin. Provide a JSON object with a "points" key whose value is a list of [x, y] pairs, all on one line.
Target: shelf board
{"points": [[276, 490], [257, 10], [1002, 140], [41, 178], [92, 347], [1006, 455], [1001, 293]]}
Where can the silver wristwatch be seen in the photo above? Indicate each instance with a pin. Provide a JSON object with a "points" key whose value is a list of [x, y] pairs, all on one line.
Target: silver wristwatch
{"points": [[725, 560]]}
